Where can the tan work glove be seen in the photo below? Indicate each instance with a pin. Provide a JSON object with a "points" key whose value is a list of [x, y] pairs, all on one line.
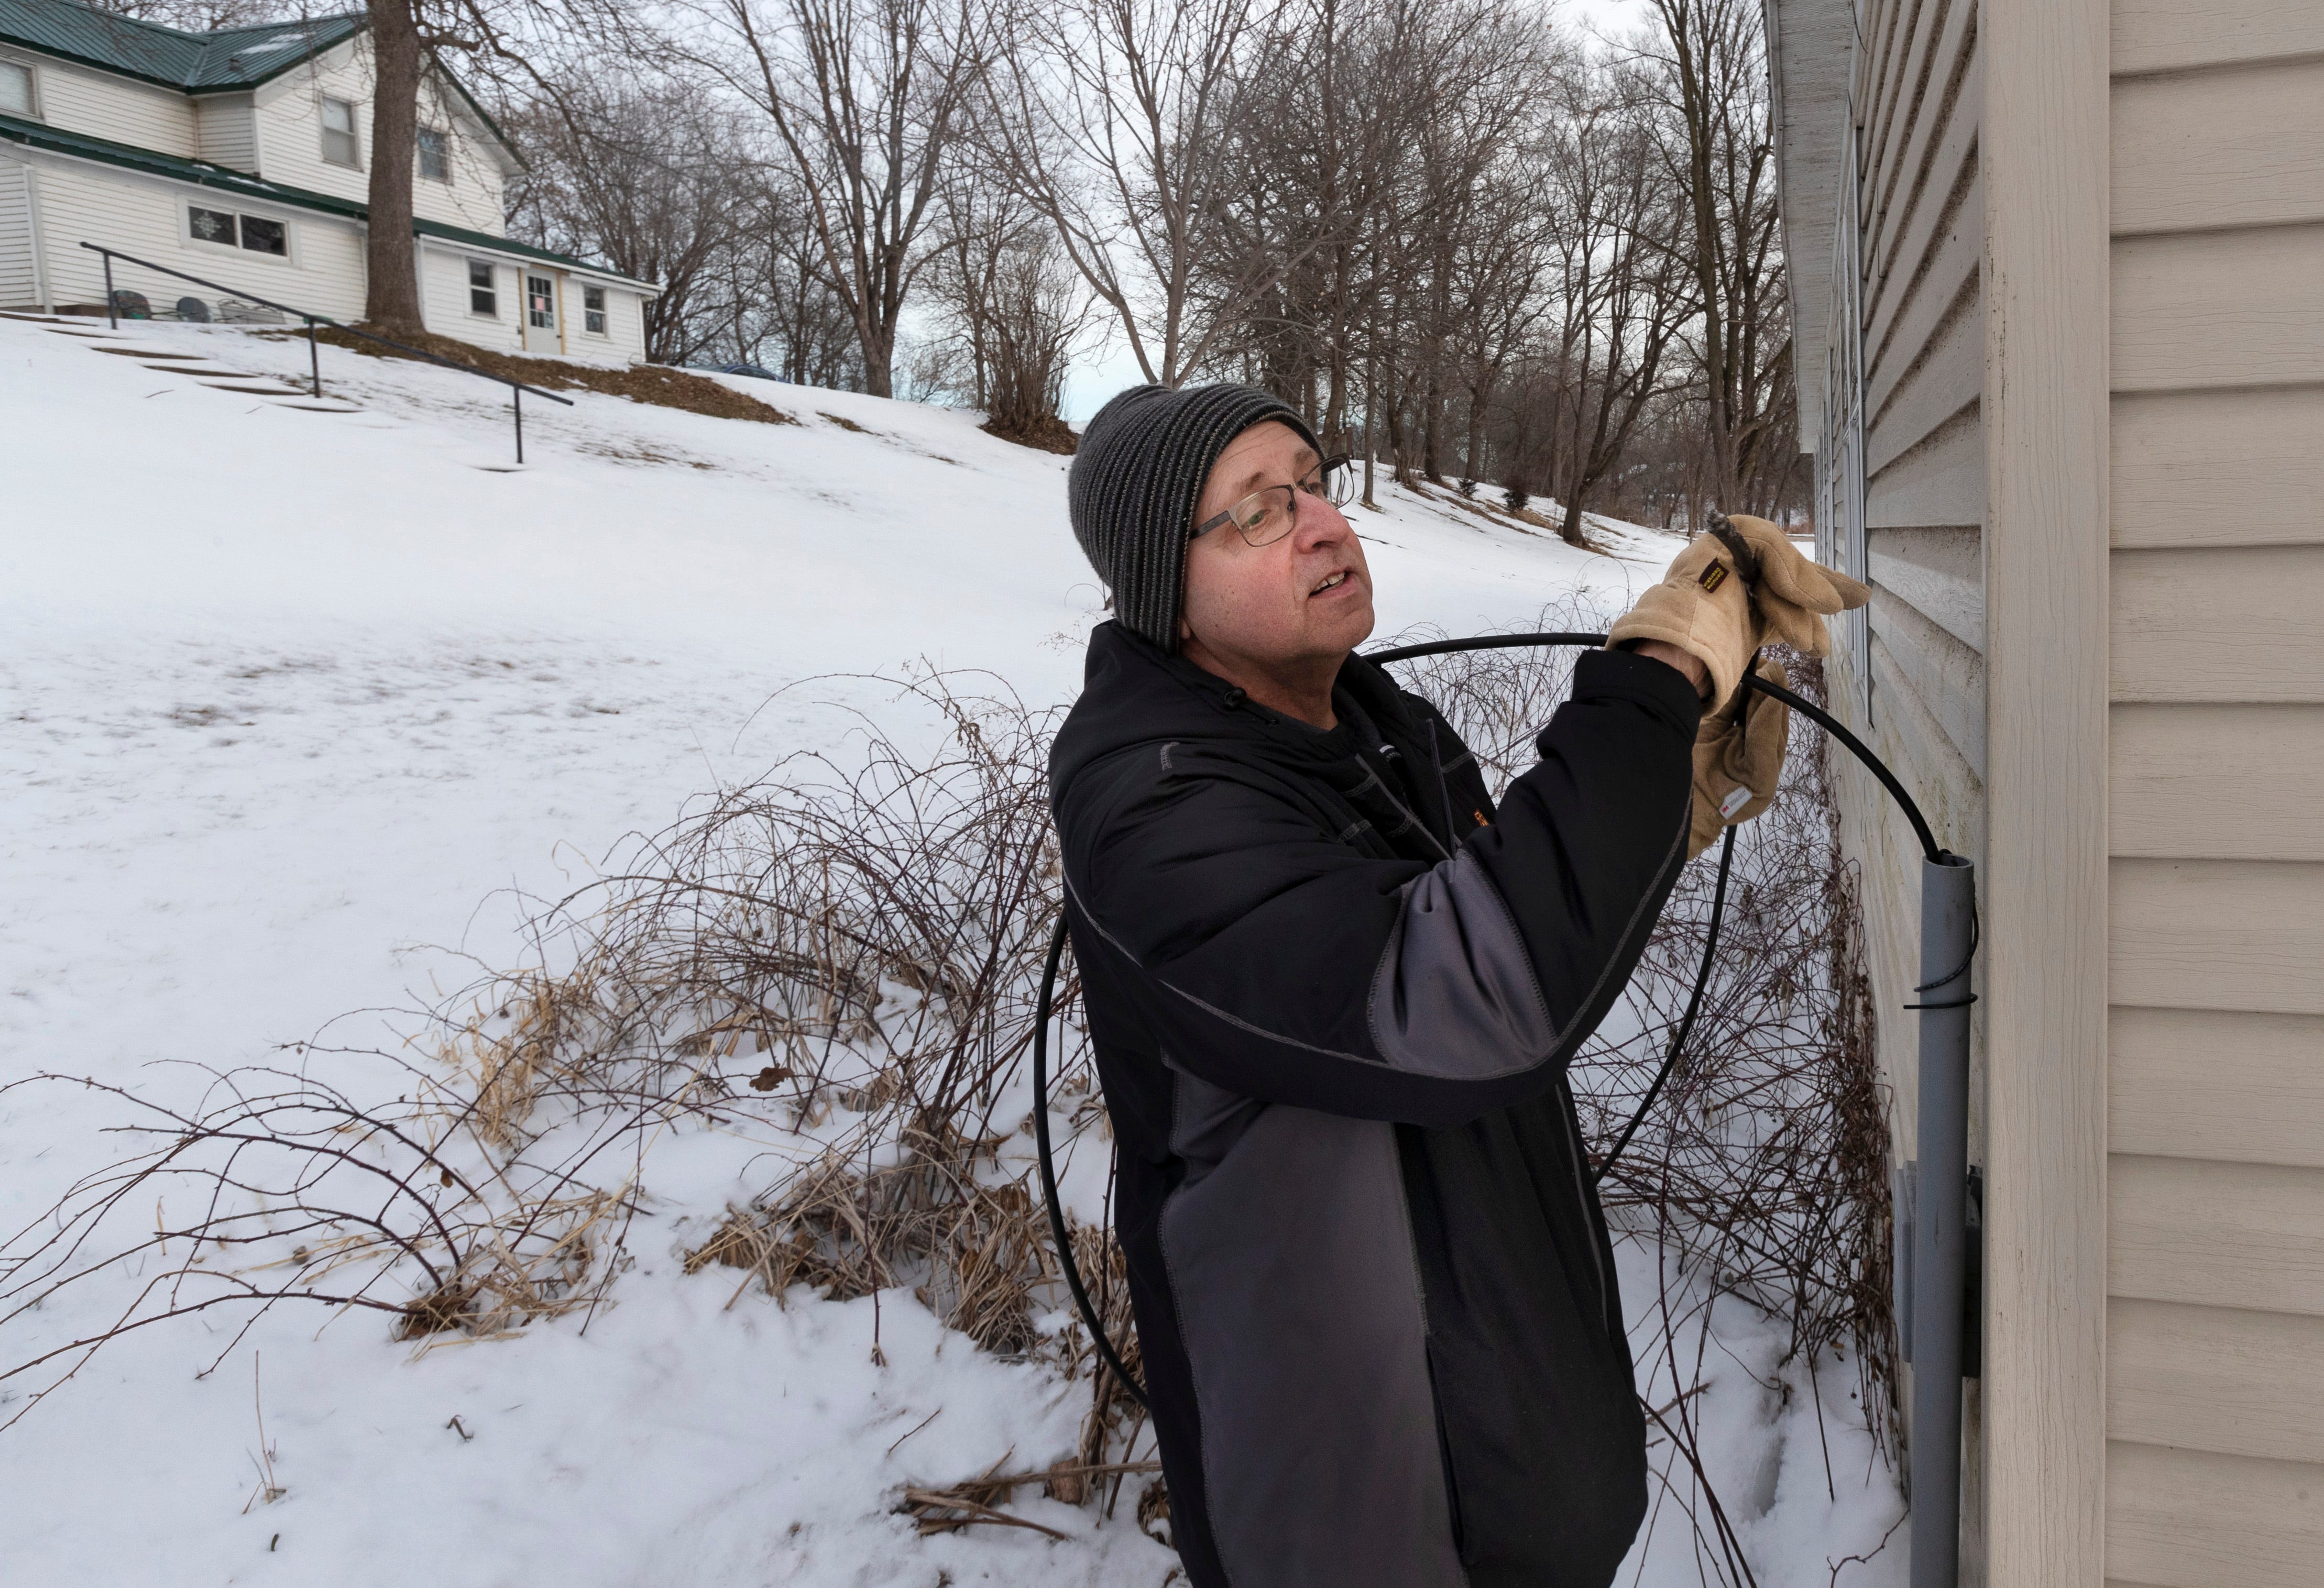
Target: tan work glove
{"points": [[1739, 759], [1721, 620], [1793, 594]]}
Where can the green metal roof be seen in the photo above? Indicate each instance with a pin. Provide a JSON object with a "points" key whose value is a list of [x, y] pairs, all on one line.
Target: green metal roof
{"points": [[38, 135], [196, 63]]}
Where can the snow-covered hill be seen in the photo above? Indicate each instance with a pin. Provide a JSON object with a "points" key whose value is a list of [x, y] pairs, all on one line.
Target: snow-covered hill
{"points": [[290, 693]]}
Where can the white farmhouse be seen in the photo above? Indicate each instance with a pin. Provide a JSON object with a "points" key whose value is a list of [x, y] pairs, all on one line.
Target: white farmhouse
{"points": [[241, 156]]}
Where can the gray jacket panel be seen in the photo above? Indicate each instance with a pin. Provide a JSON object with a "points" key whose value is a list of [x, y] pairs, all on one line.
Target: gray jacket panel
{"points": [[1290, 1260], [1454, 993]]}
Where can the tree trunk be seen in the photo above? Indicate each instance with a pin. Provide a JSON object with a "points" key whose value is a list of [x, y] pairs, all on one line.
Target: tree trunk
{"points": [[391, 262]]}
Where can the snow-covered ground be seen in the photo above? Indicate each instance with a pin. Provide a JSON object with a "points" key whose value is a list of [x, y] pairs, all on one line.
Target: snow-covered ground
{"points": [[297, 701]]}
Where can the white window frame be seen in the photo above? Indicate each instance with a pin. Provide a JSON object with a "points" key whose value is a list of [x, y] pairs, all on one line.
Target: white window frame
{"points": [[287, 259], [324, 131], [494, 270], [601, 314], [31, 70], [419, 152]]}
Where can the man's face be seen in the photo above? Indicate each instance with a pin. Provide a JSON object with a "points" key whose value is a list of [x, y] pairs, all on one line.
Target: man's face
{"points": [[1299, 601]]}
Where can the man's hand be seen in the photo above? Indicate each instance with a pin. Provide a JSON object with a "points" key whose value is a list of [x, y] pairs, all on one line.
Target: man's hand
{"points": [[1739, 759], [1684, 661], [1720, 604]]}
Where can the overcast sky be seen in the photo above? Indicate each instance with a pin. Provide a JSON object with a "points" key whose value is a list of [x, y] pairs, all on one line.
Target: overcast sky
{"points": [[1102, 371]]}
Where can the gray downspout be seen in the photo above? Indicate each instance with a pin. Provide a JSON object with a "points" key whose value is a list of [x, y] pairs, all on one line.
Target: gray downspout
{"points": [[1948, 941]]}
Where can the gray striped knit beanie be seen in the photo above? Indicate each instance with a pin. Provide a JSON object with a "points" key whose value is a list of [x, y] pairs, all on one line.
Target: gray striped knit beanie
{"points": [[1136, 478]]}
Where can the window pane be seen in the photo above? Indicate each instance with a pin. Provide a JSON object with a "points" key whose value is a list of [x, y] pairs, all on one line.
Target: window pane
{"points": [[264, 236], [211, 225], [593, 297], [540, 302], [434, 157], [15, 88], [482, 298], [339, 132]]}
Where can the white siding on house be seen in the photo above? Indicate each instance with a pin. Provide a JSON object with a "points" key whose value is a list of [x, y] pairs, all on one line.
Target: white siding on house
{"points": [[226, 126], [624, 338], [290, 136], [2215, 1335], [80, 99], [19, 280], [82, 201], [444, 299], [444, 296]]}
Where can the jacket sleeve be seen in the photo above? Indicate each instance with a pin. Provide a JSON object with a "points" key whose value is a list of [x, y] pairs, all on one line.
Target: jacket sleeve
{"points": [[1277, 961]]}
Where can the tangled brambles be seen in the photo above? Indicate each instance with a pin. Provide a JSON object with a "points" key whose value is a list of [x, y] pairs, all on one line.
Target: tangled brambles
{"points": [[840, 962]]}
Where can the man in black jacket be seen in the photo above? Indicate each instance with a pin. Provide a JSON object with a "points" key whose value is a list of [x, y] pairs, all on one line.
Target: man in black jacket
{"points": [[1333, 991]]}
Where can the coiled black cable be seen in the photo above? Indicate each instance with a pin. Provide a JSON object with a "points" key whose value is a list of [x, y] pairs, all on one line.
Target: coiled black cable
{"points": [[1434, 648]]}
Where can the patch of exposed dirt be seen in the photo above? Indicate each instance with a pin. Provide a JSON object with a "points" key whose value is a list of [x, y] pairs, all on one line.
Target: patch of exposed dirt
{"points": [[658, 384], [1049, 435]]}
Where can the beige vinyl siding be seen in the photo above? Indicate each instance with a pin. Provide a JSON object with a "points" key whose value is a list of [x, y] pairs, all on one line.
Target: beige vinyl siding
{"points": [[289, 140], [2216, 1330], [226, 126], [19, 279], [1916, 690], [80, 200], [81, 99], [1919, 215]]}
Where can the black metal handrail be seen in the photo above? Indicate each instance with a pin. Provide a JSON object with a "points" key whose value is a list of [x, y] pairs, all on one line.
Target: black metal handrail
{"points": [[517, 389]]}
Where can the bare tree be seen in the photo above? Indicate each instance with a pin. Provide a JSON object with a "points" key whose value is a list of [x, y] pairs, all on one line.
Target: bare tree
{"points": [[865, 99], [507, 45], [1708, 67], [1011, 310], [1623, 289], [651, 176], [1116, 120]]}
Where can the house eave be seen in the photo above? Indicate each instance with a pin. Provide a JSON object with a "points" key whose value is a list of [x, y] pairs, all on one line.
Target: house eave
{"points": [[1810, 62]]}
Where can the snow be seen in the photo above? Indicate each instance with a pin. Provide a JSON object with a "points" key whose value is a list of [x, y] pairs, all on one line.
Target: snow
{"points": [[291, 695]]}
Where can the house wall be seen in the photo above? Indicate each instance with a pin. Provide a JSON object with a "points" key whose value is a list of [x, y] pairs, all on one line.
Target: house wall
{"points": [[225, 127], [289, 140], [2215, 1348], [80, 200], [81, 99], [444, 299], [1903, 426]]}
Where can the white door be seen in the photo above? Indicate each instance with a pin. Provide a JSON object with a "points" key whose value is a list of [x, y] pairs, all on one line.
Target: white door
{"points": [[540, 313]]}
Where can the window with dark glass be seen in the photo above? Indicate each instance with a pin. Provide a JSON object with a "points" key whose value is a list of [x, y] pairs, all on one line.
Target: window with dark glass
{"points": [[593, 310], [435, 155], [260, 235], [227, 229], [540, 302], [484, 298], [339, 132], [211, 225]]}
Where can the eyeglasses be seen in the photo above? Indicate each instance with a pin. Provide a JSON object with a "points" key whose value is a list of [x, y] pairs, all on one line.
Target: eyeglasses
{"points": [[1266, 516]]}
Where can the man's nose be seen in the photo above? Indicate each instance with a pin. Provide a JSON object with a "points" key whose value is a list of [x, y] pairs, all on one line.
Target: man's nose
{"points": [[1315, 522]]}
